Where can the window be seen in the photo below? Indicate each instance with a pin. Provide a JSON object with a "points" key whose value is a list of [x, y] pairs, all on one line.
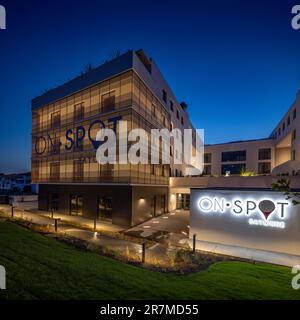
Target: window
{"points": [[55, 119], [207, 170], [233, 168], [294, 155], [78, 112], [105, 208], [207, 157], [283, 126], [177, 114], [164, 121], [294, 134], [171, 105], [153, 110], [78, 170], [182, 201], [234, 156], [53, 201], [288, 120], [79, 141], [152, 169], [108, 101], [294, 114], [76, 205], [182, 121], [164, 95], [264, 154], [279, 131], [54, 145], [264, 168], [54, 171]]}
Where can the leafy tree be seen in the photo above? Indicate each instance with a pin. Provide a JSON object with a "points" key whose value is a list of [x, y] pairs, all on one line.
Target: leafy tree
{"points": [[283, 185]]}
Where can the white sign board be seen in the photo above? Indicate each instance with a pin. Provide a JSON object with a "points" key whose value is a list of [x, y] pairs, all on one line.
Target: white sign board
{"points": [[250, 224]]}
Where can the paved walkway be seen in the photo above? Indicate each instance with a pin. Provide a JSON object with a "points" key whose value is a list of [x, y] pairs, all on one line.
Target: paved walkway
{"points": [[169, 229], [65, 226], [37, 215]]}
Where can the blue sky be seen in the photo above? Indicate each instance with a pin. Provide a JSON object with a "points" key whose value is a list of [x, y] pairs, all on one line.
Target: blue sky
{"points": [[235, 63]]}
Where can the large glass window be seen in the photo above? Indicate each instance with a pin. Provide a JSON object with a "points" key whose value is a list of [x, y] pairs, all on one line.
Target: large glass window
{"points": [[105, 208], [78, 112], [55, 119], [233, 168], [234, 156], [76, 205], [264, 154], [207, 157], [108, 101], [78, 170], [207, 170], [53, 200], [54, 171], [163, 204], [182, 201]]}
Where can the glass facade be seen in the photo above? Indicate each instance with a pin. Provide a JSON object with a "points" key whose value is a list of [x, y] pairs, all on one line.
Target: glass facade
{"points": [[233, 168], [64, 133], [234, 156]]}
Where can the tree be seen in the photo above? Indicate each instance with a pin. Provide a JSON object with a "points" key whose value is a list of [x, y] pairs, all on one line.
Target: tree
{"points": [[283, 185]]}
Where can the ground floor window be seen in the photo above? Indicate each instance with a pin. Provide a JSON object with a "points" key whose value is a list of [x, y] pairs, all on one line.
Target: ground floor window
{"points": [[76, 205], [153, 205], [163, 204], [264, 168], [105, 208], [236, 168], [182, 201], [207, 170], [53, 199]]}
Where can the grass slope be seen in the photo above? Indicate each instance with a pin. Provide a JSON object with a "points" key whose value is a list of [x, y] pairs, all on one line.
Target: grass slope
{"points": [[42, 268]]}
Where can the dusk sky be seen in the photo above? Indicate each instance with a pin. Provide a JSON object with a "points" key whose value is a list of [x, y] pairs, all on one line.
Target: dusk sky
{"points": [[235, 63]]}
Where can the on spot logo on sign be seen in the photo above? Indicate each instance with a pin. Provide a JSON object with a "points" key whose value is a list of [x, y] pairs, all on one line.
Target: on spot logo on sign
{"points": [[263, 212]]}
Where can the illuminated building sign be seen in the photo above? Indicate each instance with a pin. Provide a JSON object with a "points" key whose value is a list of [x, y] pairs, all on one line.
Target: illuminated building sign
{"points": [[255, 224], [74, 137], [265, 212]]}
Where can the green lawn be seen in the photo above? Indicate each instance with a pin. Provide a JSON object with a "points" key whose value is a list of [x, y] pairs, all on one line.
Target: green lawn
{"points": [[42, 268]]}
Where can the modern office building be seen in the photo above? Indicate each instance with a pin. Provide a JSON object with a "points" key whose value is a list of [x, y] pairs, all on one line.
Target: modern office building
{"points": [[130, 87], [65, 122]]}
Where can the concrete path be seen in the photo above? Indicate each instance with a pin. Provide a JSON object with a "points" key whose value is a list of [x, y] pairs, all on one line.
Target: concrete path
{"points": [[65, 226], [168, 229]]}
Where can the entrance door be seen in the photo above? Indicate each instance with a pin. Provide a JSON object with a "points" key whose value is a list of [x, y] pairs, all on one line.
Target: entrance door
{"points": [[105, 208], [182, 201], [76, 205]]}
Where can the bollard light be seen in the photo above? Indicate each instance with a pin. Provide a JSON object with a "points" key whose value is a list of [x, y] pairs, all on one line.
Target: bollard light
{"points": [[143, 252], [95, 223], [56, 224], [194, 243]]}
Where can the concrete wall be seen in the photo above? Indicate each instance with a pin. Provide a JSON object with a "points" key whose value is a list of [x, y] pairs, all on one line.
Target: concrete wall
{"points": [[226, 232], [229, 182], [282, 155], [141, 202]]}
